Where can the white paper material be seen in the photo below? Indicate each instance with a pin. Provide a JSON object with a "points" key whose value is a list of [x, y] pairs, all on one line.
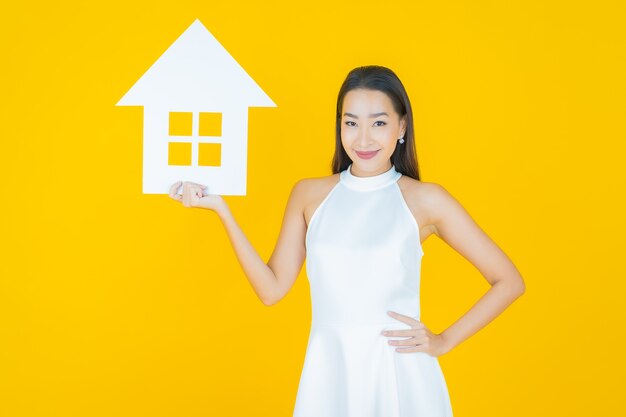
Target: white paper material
{"points": [[196, 74]]}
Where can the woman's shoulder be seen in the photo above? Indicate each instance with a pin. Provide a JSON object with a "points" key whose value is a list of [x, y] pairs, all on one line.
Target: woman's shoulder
{"points": [[424, 198], [420, 189], [310, 191], [311, 187], [320, 180]]}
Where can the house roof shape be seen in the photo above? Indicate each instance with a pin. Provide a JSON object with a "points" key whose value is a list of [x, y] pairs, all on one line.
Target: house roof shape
{"points": [[196, 70]]}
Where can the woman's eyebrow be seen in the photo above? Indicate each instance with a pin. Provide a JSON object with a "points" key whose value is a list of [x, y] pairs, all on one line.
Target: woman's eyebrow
{"points": [[371, 115]]}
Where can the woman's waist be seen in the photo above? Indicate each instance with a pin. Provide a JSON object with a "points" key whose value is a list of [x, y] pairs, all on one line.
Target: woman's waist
{"points": [[357, 324], [359, 310], [372, 317]]}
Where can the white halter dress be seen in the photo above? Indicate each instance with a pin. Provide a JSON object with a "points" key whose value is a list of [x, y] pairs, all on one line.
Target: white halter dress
{"points": [[363, 259]]}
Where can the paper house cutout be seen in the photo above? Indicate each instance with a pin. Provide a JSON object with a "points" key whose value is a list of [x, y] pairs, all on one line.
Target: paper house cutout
{"points": [[195, 99]]}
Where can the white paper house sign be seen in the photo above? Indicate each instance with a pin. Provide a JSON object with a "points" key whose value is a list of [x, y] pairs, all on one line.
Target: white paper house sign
{"points": [[195, 99]]}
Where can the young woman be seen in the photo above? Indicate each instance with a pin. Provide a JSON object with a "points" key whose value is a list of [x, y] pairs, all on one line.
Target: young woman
{"points": [[361, 232]]}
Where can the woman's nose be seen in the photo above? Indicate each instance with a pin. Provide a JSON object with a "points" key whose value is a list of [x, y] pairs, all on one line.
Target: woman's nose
{"points": [[363, 138]]}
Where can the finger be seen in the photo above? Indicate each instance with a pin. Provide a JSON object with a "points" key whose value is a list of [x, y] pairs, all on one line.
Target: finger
{"points": [[404, 342], [174, 188], [403, 318], [410, 349], [177, 197], [400, 332], [186, 194]]}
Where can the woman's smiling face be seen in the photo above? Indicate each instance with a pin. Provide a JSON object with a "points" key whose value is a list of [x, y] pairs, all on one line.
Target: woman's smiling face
{"points": [[370, 129]]}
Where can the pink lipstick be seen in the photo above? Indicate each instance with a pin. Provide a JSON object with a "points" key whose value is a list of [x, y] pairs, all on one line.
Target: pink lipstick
{"points": [[366, 155]]}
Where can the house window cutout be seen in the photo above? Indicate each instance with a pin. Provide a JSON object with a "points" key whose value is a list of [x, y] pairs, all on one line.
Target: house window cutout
{"points": [[179, 153], [194, 125], [210, 124], [210, 154], [181, 124]]}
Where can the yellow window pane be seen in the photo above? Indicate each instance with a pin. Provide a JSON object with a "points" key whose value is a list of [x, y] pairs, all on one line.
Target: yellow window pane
{"points": [[210, 154], [179, 153], [210, 124], [180, 123]]}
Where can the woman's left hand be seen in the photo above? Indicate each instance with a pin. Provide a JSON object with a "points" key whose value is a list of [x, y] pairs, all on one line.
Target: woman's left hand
{"points": [[421, 338]]}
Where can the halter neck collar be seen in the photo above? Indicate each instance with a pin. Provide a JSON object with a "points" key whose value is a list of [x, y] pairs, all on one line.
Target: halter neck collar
{"points": [[370, 183]]}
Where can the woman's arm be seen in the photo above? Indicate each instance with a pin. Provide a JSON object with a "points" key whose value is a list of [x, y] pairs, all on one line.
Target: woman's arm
{"points": [[273, 280], [452, 223]]}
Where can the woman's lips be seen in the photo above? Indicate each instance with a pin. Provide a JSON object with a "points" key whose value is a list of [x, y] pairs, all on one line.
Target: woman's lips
{"points": [[366, 155]]}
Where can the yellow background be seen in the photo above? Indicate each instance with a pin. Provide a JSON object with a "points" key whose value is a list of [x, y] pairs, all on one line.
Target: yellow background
{"points": [[115, 303]]}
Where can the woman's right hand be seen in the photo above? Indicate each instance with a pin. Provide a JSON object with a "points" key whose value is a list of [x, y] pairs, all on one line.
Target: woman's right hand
{"points": [[195, 195]]}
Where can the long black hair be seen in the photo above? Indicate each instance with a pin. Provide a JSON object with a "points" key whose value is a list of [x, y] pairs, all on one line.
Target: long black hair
{"points": [[376, 77]]}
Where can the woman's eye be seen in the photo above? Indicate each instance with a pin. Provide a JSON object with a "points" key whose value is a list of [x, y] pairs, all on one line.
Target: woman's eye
{"points": [[380, 121], [348, 123]]}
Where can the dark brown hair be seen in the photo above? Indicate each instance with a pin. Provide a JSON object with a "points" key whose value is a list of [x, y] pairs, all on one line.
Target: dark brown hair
{"points": [[376, 77]]}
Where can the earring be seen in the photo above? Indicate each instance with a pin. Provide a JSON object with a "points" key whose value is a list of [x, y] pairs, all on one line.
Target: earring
{"points": [[401, 140]]}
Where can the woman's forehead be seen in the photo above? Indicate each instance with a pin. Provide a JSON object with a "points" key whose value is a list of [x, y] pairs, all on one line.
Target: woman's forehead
{"points": [[366, 102]]}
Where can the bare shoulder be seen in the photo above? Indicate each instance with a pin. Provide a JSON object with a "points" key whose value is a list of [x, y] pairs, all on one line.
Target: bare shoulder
{"points": [[423, 199], [312, 191]]}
